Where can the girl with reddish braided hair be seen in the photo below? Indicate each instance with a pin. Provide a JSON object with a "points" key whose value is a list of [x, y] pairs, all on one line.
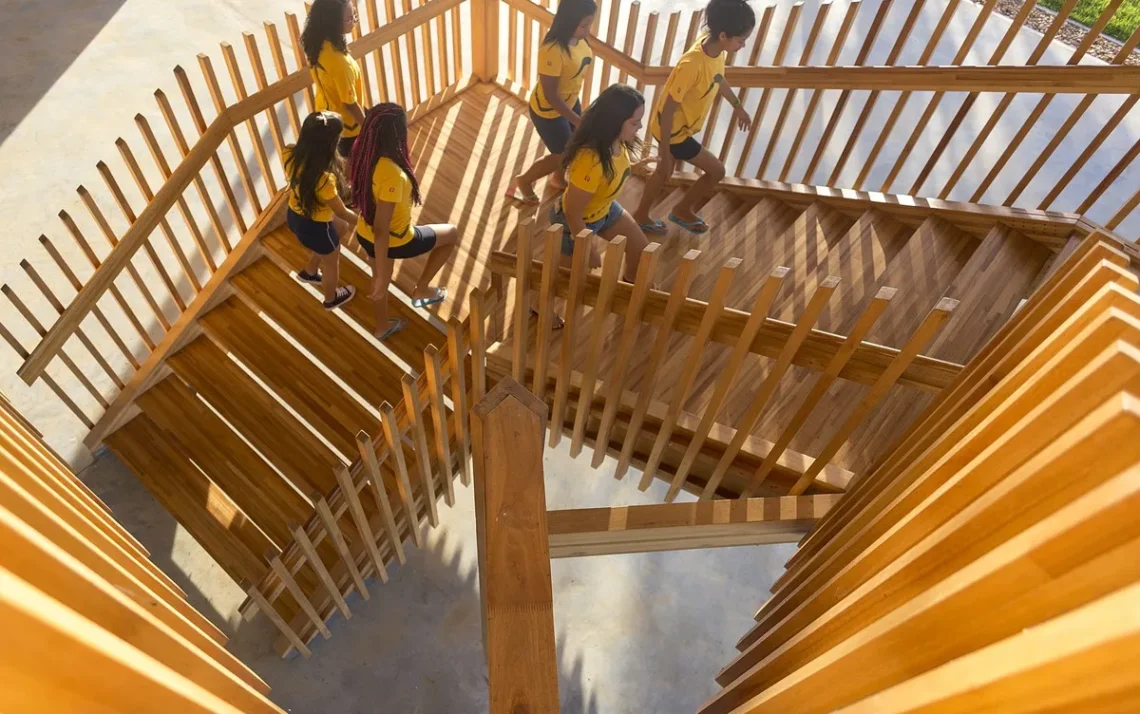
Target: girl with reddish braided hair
{"points": [[384, 188]]}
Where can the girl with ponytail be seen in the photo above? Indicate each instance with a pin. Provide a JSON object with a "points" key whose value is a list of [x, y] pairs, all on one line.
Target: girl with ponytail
{"points": [[384, 188], [339, 85], [683, 107]]}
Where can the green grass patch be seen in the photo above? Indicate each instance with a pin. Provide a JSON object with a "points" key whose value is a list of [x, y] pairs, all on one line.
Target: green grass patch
{"points": [[1122, 24]]}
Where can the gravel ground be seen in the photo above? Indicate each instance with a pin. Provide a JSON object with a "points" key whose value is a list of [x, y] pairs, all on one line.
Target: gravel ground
{"points": [[1071, 34]]}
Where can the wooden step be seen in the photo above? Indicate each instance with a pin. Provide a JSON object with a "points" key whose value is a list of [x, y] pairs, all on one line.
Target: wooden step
{"points": [[270, 501], [282, 439], [324, 334], [196, 502], [304, 386]]}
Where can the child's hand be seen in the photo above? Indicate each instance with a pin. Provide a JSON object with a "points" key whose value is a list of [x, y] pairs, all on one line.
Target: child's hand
{"points": [[742, 119]]}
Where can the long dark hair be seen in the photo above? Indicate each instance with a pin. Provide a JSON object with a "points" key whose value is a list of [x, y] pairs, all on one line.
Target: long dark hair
{"points": [[601, 126], [325, 23], [313, 155], [570, 14], [384, 134], [735, 18]]}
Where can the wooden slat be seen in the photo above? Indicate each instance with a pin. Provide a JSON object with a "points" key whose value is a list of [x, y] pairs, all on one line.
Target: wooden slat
{"points": [[457, 356], [371, 463], [415, 413], [692, 364], [744, 425], [282, 72], [262, 81], [579, 267], [476, 320], [47, 379], [265, 606], [647, 46], [522, 294], [611, 263], [434, 373], [251, 123], [754, 59], [377, 54], [395, 442], [348, 492], [332, 527], [314, 560], [244, 174], [507, 427], [551, 260]]}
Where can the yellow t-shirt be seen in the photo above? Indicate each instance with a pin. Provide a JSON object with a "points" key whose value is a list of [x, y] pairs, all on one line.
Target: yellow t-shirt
{"points": [[569, 68], [326, 191], [391, 185], [586, 173], [338, 81], [693, 84]]}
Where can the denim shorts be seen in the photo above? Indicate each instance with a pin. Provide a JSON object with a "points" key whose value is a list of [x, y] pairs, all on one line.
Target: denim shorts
{"points": [[604, 223], [556, 132], [318, 236]]}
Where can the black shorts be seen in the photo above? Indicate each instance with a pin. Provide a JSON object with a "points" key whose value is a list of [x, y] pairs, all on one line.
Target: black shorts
{"points": [[687, 150], [344, 148], [422, 242], [318, 236], [555, 133]]}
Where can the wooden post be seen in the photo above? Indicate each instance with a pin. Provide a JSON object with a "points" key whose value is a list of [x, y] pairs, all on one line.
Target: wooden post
{"points": [[439, 420], [507, 427], [522, 295], [380, 494], [485, 39]]}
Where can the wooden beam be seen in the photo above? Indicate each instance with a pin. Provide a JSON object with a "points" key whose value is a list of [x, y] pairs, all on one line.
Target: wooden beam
{"points": [[507, 429], [684, 526]]}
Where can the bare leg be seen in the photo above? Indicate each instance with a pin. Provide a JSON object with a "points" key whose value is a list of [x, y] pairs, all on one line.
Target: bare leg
{"points": [[446, 238], [330, 274], [713, 170], [545, 166], [313, 265], [653, 188], [635, 242]]}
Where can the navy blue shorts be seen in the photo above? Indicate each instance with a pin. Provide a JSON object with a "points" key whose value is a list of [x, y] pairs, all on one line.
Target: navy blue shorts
{"points": [[604, 223], [318, 236], [422, 242], [687, 150], [555, 133]]}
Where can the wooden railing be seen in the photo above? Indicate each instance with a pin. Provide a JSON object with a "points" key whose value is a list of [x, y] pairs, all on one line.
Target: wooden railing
{"points": [[628, 49]]}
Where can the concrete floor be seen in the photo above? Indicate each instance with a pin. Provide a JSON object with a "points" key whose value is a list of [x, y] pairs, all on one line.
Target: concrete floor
{"points": [[636, 633]]}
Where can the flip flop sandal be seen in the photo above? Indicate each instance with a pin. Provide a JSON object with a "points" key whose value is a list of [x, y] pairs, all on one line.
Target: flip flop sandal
{"points": [[559, 323], [697, 227], [439, 296], [397, 325], [527, 200], [657, 228]]}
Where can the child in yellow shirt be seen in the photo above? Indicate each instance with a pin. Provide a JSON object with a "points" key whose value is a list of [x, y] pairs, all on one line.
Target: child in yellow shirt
{"points": [[683, 107], [555, 106], [339, 85]]}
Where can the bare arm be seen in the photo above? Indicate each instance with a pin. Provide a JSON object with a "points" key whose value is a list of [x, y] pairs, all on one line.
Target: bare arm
{"points": [[550, 89], [356, 113], [342, 211], [739, 113], [574, 206]]}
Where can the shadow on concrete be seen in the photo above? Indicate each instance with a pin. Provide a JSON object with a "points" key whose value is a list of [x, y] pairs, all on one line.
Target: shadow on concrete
{"points": [[41, 40]]}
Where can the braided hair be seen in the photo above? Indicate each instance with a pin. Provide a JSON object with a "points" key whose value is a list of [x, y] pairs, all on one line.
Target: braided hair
{"points": [[383, 135], [734, 18]]}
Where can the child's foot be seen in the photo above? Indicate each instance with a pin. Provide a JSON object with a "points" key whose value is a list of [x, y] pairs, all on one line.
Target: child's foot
{"points": [[523, 193], [395, 324], [310, 278], [428, 296], [343, 295], [693, 224], [653, 226]]}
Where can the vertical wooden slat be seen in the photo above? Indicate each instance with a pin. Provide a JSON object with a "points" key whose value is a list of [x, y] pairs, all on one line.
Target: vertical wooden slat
{"points": [[429, 58], [611, 39], [318, 565], [275, 617], [457, 361], [398, 74], [171, 239], [377, 54], [352, 500], [578, 272], [527, 79], [823, 382], [235, 146], [441, 50], [647, 46], [512, 42], [754, 60], [921, 337], [522, 296], [588, 80], [395, 442], [299, 595], [367, 450], [93, 259], [47, 379], [817, 94], [1110, 178], [413, 59], [238, 82], [694, 357], [694, 29], [745, 424], [456, 43], [100, 316], [434, 374], [419, 440], [670, 38], [611, 264], [1079, 163], [262, 81], [630, 35], [790, 93], [365, 79], [550, 265], [299, 56], [79, 331], [278, 55], [727, 376], [615, 385], [337, 537], [677, 294]]}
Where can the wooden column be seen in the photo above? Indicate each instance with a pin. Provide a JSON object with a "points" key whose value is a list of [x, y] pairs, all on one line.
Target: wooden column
{"points": [[485, 39], [507, 429]]}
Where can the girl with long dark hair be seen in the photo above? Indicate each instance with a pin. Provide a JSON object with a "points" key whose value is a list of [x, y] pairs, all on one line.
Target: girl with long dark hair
{"points": [[315, 171], [598, 162], [384, 188], [683, 107], [555, 106], [339, 85]]}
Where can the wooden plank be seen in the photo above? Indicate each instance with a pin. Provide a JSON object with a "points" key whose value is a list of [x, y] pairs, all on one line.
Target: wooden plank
{"points": [[313, 558], [692, 365], [552, 257], [476, 319], [332, 527], [282, 72], [371, 464], [395, 441], [754, 59], [683, 526], [434, 373], [47, 379], [415, 411], [215, 90], [265, 606], [631, 24], [259, 76], [611, 263], [576, 286], [507, 428], [457, 356], [819, 300], [348, 492], [522, 293]]}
